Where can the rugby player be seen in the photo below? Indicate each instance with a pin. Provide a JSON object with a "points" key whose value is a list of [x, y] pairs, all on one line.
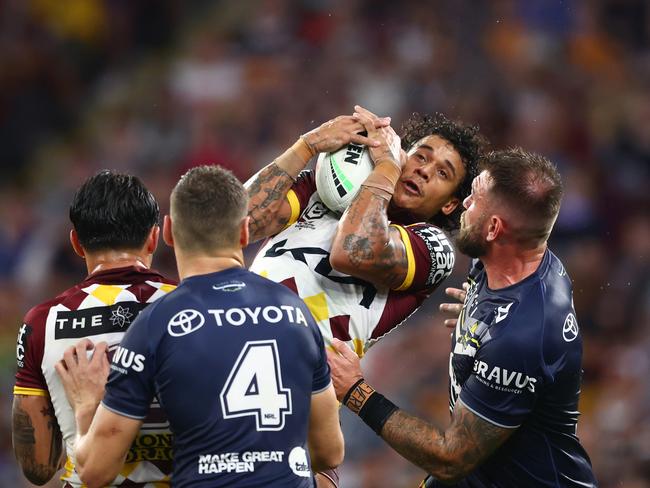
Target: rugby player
{"points": [[363, 273], [237, 362], [115, 229], [515, 366]]}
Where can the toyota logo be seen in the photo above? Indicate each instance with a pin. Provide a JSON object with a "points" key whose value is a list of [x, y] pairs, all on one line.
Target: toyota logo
{"points": [[185, 322], [570, 328]]}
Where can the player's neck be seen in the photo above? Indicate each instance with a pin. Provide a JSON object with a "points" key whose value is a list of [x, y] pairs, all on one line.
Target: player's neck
{"points": [[194, 265], [105, 260], [508, 265]]}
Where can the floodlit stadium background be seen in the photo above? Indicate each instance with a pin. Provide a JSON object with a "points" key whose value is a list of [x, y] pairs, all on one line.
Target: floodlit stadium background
{"points": [[153, 87]]}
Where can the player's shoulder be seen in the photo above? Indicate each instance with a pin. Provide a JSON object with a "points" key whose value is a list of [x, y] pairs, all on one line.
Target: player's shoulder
{"points": [[38, 313]]}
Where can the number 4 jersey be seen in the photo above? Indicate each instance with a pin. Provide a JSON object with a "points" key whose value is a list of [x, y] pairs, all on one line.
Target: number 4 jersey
{"points": [[234, 360], [346, 307]]}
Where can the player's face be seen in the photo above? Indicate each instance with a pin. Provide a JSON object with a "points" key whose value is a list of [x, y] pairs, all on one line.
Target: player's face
{"points": [[430, 178], [471, 239]]}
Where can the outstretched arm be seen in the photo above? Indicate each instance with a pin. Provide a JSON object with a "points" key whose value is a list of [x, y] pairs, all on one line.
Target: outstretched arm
{"points": [[268, 208], [448, 455], [36, 436]]}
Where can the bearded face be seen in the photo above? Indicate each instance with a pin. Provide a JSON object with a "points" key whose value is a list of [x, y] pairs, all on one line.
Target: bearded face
{"points": [[470, 240]]}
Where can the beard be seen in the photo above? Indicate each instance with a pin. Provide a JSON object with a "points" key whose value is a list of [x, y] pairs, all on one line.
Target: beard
{"points": [[470, 241]]}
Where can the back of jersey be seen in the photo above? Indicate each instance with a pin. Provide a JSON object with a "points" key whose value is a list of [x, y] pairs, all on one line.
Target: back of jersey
{"points": [[234, 359]]}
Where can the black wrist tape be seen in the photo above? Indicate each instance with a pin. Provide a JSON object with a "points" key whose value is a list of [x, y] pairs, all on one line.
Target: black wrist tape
{"points": [[376, 411]]}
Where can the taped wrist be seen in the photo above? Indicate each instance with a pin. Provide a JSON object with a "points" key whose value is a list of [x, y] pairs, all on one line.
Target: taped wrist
{"points": [[294, 159], [372, 407], [384, 177]]}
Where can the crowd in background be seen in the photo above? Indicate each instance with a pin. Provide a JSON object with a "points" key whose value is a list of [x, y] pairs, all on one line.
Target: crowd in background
{"points": [[154, 87]]}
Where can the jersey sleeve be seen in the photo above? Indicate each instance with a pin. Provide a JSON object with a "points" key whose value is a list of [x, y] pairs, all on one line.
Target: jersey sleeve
{"points": [[300, 193], [505, 380], [130, 387], [30, 345], [430, 257]]}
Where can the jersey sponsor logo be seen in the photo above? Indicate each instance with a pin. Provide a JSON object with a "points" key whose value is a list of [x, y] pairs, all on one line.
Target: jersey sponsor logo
{"points": [[570, 328], [230, 286], [441, 251], [270, 314], [298, 462], [235, 462], [75, 324], [185, 322], [21, 344], [503, 379], [323, 268], [150, 447], [502, 312], [123, 360]]}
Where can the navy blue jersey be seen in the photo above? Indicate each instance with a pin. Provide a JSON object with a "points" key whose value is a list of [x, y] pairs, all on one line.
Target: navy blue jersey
{"points": [[516, 362], [233, 359]]}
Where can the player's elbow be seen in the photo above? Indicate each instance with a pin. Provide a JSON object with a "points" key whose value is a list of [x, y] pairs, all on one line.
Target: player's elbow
{"points": [[329, 458], [449, 471], [94, 476], [39, 476]]}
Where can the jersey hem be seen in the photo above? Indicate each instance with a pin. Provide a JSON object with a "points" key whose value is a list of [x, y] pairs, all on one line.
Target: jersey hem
{"points": [[23, 390], [314, 392], [123, 414]]}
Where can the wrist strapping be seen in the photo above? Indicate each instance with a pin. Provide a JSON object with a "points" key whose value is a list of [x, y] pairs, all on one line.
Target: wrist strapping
{"points": [[372, 407], [384, 177], [293, 160]]}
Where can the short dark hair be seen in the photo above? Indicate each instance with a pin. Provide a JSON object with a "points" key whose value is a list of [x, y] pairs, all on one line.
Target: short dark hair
{"points": [[530, 185], [466, 139], [113, 211], [207, 206]]}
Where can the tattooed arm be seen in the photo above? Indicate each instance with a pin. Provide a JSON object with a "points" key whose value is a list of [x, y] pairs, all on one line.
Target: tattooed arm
{"points": [[37, 440], [365, 245], [447, 455], [268, 207]]}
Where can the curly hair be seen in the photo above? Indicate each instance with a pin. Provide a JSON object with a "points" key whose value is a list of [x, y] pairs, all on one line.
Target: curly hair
{"points": [[466, 139]]}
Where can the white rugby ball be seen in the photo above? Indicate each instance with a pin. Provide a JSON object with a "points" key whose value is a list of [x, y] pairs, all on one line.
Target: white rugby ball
{"points": [[339, 175]]}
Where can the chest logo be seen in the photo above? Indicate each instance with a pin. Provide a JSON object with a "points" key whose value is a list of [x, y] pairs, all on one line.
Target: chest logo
{"points": [[502, 312], [121, 316], [570, 328], [185, 322]]}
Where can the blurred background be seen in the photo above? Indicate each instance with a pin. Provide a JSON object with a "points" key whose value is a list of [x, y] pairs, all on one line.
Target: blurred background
{"points": [[154, 87]]}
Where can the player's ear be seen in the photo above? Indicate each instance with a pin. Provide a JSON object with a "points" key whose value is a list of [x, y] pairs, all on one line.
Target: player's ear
{"points": [[152, 239], [74, 240], [450, 206], [244, 234], [495, 228], [167, 231]]}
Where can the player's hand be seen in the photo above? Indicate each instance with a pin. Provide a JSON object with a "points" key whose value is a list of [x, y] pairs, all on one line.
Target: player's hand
{"points": [[84, 377], [342, 130], [344, 366], [454, 308], [389, 147]]}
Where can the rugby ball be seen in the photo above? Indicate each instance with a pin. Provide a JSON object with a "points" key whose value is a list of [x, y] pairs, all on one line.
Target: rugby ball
{"points": [[339, 175]]}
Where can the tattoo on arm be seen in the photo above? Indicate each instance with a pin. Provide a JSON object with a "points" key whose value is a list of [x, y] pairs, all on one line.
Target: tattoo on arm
{"points": [[266, 195], [24, 440], [448, 455], [367, 239]]}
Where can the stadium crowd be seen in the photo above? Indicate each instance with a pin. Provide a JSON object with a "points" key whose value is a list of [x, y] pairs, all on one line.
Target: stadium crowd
{"points": [[155, 90]]}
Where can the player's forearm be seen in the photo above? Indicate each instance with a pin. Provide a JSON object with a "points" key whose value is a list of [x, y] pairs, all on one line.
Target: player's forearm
{"points": [[37, 442], [267, 190], [427, 447]]}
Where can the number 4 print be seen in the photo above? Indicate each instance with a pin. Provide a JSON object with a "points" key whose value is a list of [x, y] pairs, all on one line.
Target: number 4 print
{"points": [[254, 387]]}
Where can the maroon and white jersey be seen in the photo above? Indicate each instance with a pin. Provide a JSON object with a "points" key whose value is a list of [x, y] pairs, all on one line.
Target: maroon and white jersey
{"points": [[100, 308], [345, 307]]}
